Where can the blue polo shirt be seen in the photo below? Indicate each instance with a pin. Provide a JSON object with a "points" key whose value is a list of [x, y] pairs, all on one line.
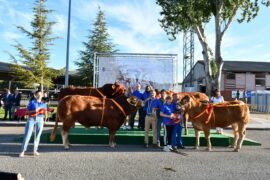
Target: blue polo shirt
{"points": [[145, 95], [34, 104], [150, 104], [168, 110], [137, 93]]}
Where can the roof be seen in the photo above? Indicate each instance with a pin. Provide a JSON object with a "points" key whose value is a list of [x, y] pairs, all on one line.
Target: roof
{"points": [[238, 66], [245, 66]]}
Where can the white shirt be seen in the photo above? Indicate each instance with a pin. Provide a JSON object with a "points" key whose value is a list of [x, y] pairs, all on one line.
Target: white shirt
{"points": [[217, 100]]}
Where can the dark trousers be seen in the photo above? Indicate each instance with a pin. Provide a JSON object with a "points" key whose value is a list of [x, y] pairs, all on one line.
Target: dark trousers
{"points": [[142, 119], [177, 141], [7, 112], [168, 134], [132, 118]]}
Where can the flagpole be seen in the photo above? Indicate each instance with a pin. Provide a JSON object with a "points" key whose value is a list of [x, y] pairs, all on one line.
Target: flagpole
{"points": [[68, 36]]}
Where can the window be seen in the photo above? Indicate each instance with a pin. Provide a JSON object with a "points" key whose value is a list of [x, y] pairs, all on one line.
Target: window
{"points": [[230, 75], [260, 79]]}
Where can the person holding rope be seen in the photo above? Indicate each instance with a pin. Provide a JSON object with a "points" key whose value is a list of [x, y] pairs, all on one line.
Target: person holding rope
{"points": [[37, 113], [217, 98]]}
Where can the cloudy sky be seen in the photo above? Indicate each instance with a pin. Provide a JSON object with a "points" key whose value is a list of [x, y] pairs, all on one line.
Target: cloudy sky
{"points": [[133, 26]]}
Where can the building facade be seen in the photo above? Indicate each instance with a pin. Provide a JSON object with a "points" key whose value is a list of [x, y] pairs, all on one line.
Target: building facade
{"points": [[236, 75]]}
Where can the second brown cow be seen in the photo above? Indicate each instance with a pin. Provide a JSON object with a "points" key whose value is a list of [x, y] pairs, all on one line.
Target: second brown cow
{"points": [[93, 111]]}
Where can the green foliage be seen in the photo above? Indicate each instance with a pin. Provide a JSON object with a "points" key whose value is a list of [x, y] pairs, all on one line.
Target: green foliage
{"points": [[179, 15], [214, 68], [98, 41], [35, 60]]}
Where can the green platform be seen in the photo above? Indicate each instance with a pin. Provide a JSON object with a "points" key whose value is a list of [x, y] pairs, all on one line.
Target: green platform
{"points": [[80, 135]]}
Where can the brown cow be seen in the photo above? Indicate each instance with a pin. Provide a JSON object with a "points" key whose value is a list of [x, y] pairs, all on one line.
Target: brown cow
{"points": [[108, 90], [94, 111], [205, 116], [197, 95]]}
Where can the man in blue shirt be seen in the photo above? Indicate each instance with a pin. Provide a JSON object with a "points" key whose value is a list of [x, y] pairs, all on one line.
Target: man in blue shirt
{"points": [[138, 94], [151, 104], [145, 96], [8, 101], [162, 100], [37, 113]]}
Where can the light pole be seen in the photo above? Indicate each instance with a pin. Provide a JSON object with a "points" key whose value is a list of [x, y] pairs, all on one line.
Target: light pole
{"points": [[67, 55]]}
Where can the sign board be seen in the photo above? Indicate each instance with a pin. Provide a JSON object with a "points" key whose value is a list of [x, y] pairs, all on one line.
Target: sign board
{"points": [[157, 71]]}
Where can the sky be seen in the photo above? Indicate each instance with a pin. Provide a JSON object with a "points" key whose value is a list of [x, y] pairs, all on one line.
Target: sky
{"points": [[133, 26]]}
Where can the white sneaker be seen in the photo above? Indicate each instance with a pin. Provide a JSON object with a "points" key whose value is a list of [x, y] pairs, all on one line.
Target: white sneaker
{"points": [[166, 149], [128, 127], [124, 127], [21, 154]]}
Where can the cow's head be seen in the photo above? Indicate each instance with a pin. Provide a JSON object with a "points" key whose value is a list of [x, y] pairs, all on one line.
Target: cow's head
{"points": [[180, 107], [134, 101], [118, 89], [185, 102]]}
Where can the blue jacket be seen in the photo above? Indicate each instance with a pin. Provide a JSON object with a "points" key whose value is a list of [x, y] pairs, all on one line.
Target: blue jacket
{"points": [[34, 104], [137, 93], [17, 99], [145, 95], [8, 99], [150, 104], [168, 110]]}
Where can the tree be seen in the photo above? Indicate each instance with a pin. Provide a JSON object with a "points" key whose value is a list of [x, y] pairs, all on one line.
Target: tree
{"points": [[36, 59], [180, 15], [98, 41]]}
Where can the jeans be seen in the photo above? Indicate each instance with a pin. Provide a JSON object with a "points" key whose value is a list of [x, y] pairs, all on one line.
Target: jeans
{"points": [[38, 122], [169, 134], [8, 111], [159, 122], [13, 110], [177, 141]]}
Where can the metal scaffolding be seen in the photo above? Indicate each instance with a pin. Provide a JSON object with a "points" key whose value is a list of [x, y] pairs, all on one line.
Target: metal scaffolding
{"points": [[188, 55]]}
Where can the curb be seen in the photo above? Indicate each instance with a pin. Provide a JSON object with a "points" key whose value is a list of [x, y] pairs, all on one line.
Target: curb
{"points": [[51, 124]]}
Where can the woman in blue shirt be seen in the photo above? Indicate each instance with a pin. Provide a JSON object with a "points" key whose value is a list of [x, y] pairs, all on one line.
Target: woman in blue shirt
{"points": [[37, 113], [167, 113]]}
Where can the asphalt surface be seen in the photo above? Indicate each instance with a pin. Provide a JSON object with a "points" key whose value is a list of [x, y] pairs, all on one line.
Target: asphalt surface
{"points": [[134, 161]]}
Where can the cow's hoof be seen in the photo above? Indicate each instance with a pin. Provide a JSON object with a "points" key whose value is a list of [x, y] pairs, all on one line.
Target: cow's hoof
{"points": [[232, 146], [196, 147], [66, 148], [113, 146], [236, 150], [208, 149]]}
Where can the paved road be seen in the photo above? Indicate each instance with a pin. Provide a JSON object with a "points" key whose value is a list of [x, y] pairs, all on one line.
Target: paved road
{"points": [[135, 162]]}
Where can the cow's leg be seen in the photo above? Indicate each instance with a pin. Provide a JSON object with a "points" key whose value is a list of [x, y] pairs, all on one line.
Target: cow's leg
{"points": [[186, 116], [207, 137], [242, 134], [236, 135], [65, 139], [112, 142], [197, 134]]}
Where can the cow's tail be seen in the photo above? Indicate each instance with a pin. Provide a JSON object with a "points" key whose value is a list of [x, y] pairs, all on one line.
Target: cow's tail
{"points": [[54, 132]]}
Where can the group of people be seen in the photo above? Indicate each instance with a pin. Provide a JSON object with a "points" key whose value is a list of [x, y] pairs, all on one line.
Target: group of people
{"points": [[158, 109], [11, 103], [161, 109]]}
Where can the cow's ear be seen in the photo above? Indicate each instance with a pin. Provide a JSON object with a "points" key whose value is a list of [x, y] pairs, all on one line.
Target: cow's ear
{"points": [[129, 100], [186, 99], [113, 86]]}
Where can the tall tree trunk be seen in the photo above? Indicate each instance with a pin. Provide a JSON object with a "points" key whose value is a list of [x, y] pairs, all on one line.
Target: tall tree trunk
{"points": [[218, 58], [207, 65]]}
